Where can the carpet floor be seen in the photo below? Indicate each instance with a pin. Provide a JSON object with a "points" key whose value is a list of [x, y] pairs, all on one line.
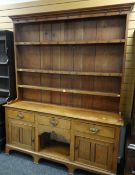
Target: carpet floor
{"points": [[21, 164]]}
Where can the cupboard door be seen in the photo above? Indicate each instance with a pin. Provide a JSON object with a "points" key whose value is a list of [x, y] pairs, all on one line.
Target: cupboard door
{"points": [[21, 135], [93, 152], [103, 154], [83, 150]]}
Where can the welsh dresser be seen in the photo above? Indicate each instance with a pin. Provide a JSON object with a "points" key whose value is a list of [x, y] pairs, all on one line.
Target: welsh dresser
{"points": [[69, 71]]}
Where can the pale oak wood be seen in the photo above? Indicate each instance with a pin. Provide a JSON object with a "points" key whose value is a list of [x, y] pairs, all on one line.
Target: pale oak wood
{"points": [[21, 115], [70, 73], [92, 3], [100, 130], [64, 133], [59, 35], [90, 115], [53, 121], [70, 91], [60, 160], [71, 42]]}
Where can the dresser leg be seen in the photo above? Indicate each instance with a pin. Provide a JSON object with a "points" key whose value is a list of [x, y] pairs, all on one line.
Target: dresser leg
{"points": [[71, 170], [7, 150], [36, 159]]}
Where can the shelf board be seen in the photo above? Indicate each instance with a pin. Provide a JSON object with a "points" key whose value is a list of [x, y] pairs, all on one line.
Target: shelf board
{"points": [[74, 91], [72, 42], [4, 77], [57, 149], [69, 72], [4, 90]]}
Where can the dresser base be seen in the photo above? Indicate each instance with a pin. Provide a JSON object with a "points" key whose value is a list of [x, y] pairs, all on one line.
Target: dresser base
{"points": [[72, 166]]}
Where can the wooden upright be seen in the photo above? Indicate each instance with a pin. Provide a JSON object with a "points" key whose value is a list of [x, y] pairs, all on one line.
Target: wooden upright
{"points": [[69, 71]]}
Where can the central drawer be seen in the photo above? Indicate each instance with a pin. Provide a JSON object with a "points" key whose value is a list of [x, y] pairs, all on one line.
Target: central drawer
{"points": [[94, 129], [20, 115], [62, 134], [53, 121]]}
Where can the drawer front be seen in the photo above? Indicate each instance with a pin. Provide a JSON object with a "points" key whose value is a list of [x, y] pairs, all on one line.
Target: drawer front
{"points": [[20, 115], [94, 129], [53, 121], [59, 134]]}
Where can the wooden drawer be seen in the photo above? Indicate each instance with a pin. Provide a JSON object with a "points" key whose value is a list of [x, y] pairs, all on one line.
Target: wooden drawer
{"points": [[53, 121], [63, 134], [94, 129], [21, 115]]}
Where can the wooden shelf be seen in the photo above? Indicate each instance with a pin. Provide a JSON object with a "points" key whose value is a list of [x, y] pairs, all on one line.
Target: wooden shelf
{"points": [[57, 149], [74, 91], [69, 72], [4, 90], [78, 65], [72, 42], [4, 77]]}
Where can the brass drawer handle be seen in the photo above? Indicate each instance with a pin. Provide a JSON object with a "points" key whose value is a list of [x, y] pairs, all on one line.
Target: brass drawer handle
{"points": [[94, 130], [53, 122], [20, 116]]}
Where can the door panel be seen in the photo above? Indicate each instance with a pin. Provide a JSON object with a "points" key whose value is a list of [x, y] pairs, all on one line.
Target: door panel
{"points": [[15, 134], [83, 150], [21, 135], [99, 158], [93, 152]]}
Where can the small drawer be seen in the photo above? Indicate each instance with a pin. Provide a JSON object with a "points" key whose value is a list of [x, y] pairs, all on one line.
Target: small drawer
{"points": [[94, 129], [20, 115], [53, 121], [62, 134]]}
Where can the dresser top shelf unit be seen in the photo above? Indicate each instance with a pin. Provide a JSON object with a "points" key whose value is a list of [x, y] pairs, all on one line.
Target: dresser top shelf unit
{"points": [[77, 113], [76, 61]]}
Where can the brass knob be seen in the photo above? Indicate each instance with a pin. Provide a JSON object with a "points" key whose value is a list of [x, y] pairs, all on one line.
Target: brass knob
{"points": [[94, 130], [53, 122], [20, 116]]}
